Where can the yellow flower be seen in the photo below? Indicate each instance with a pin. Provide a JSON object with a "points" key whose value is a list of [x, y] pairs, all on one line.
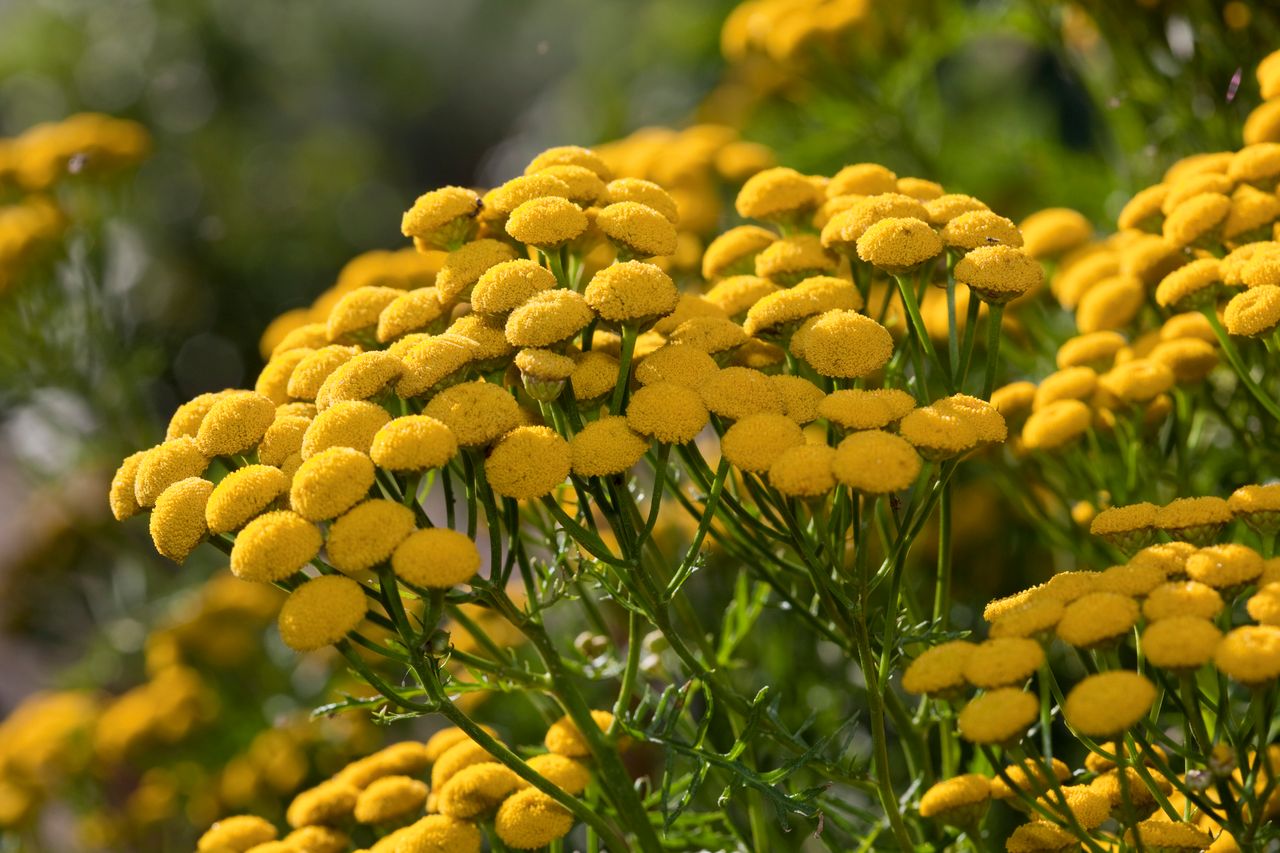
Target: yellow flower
{"points": [[998, 716], [530, 819], [637, 228], [241, 495], [1224, 566], [368, 534], [1168, 836], [1014, 399], [477, 412], [793, 259], [406, 758], [359, 311], [319, 613], [1196, 218], [1182, 598], [875, 462], [177, 522], [488, 335], [857, 409], [643, 192], [736, 392], [710, 334], [944, 208], [565, 773], [316, 839], [273, 546], [959, 801], [436, 558], [843, 230], [1256, 506], [430, 361], [569, 155], [236, 833], [1097, 619], [1056, 425], [1181, 642], [1039, 838], [1069, 383], [390, 798], [998, 274], [631, 292], [1134, 580], [1127, 527], [350, 424], [1254, 312], [187, 418], [1054, 231], [604, 447], [1028, 618], [501, 200], [1189, 359], [476, 789], [1003, 662], [1264, 605], [1137, 381], [940, 670], [441, 217], [547, 223], [804, 471], [979, 415], [898, 244], [505, 286], [937, 433], [330, 483], [464, 265], [666, 412], [235, 423], [1089, 808], [754, 442], [1195, 520], [779, 308], [733, 253], [843, 344], [1169, 557], [862, 179], [413, 443], [273, 381], [364, 376], [462, 754], [548, 317], [594, 374], [1190, 287], [980, 228], [1112, 303], [776, 194], [410, 312], [437, 832], [564, 737], [1108, 703], [1256, 164], [314, 368], [1250, 654], [123, 497], [527, 463], [1030, 777]]}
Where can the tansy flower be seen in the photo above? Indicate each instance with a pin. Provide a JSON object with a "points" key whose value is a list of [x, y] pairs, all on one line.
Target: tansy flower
{"points": [[979, 228], [1196, 520], [733, 253], [476, 789], [1097, 619], [862, 179], [1168, 836], [464, 265], [177, 522], [1039, 838], [527, 463], [1108, 703], [777, 194], [565, 773], [958, 801], [1196, 218], [1096, 762], [436, 558], [594, 374], [919, 188], [364, 376], [898, 245], [1250, 654], [938, 434], [351, 424], [1194, 185], [1127, 527], [1056, 425], [358, 311], [843, 344], [570, 155], [546, 223], [945, 208], [998, 716], [123, 496], [1014, 399], [1252, 213], [644, 192], [1069, 383], [1256, 164], [939, 671], [1096, 350], [793, 259], [476, 412], [669, 413], [413, 443], [1169, 557], [1254, 312], [856, 409], [755, 441], [367, 534], [487, 333], [1256, 506], [429, 362], [410, 312], [998, 274], [273, 546], [273, 381], [1179, 643], [1068, 586], [983, 418], [309, 335], [1189, 359], [406, 758], [843, 230], [530, 819], [441, 832], [1108, 784], [237, 833], [501, 200], [328, 803], [1029, 618], [637, 229], [187, 418], [687, 307], [390, 798], [1182, 598], [235, 423], [1072, 282], [1264, 605], [319, 613], [1260, 267], [1054, 231], [779, 309], [241, 495], [1190, 287], [564, 738], [875, 462], [1029, 777], [330, 482], [1112, 303], [1134, 580], [1088, 807], [1137, 381], [505, 286], [804, 471], [1145, 211], [441, 217], [312, 370], [1224, 566], [631, 292], [1003, 662], [548, 317], [709, 334], [461, 754], [736, 392], [604, 447]]}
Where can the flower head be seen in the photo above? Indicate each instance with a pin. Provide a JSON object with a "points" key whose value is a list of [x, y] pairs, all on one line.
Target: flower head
{"points": [[875, 462], [669, 413], [959, 800], [1254, 312], [843, 344], [528, 462], [504, 287], [177, 522], [413, 443], [793, 259], [1180, 642], [464, 265], [351, 424], [390, 798], [1056, 425], [1003, 662], [273, 546], [776, 194], [940, 670], [898, 244], [998, 716], [547, 223], [236, 833], [358, 311], [241, 495], [548, 317], [441, 217], [733, 253], [530, 819], [1097, 618], [754, 442], [235, 423], [631, 291], [476, 789], [804, 471], [367, 534], [1054, 231], [330, 482], [436, 558], [476, 412], [321, 612], [998, 274], [1250, 654], [1108, 703], [637, 229], [410, 312]]}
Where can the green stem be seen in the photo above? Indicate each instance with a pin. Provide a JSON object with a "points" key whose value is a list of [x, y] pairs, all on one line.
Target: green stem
{"points": [[1237, 364], [995, 313]]}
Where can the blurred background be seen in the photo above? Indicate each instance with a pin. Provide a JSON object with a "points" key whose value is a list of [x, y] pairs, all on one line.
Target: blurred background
{"points": [[276, 141]]}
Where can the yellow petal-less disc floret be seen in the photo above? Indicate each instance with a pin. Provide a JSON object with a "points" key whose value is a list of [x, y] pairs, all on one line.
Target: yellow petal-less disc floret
{"points": [[410, 312], [1191, 286], [733, 253], [998, 274], [1130, 525], [235, 423], [1264, 605], [1110, 304], [565, 738], [237, 833], [957, 801], [570, 155], [875, 462], [358, 311], [530, 819], [177, 522], [123, 497], [464, 265], [1225, 566], [187, 418], [594, 374], [1096, 350], [1182, 642], [351, 424], [501, 200], [1029, 777], [1031, 618], [1108, 703], [565, 773], [680, 364], [273, 546], [436, 558], [736, 392], [754, 442], [441, 217], [666, 412], [998, 716], [862, 179], [364, 376], [273, 381], [437, 832], [311, 372], [793, 259], [898, 244], [644, 192], [983, 418], [1250, 654], [1056, 425], [940, 670], [505, 286], [368, 534], [476, 789], [1164, 835], [321, 612], [1003, 662], [330, 802], [1039, 838], [605, 447], [1086, 806], [938, 434], [1054, 231], [241, 495], [548, 317], [843, 344], [1182, 598], [528, 462], [546, 223], [980, 228], [945, 208], [1196, 218], [779, 309], [330, 483], [637, 229], [804, 472], [413, 443], [428, 363], [1254, 312], [1257, 506], [776, 194], [1195, 520], [1097, 618], [476, 412], [390, 798], [631, 291]]}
